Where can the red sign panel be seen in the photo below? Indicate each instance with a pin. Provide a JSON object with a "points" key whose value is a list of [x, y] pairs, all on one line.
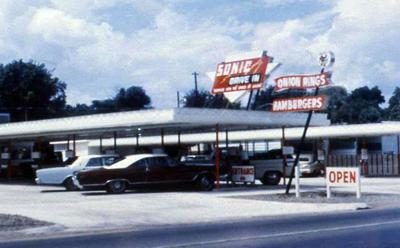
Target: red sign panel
{"points": [[302, 81], [298, 104], [240, 75]]}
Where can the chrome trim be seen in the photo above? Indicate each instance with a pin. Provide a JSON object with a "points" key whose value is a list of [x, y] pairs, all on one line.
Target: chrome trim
{"points": [[76, 182]]}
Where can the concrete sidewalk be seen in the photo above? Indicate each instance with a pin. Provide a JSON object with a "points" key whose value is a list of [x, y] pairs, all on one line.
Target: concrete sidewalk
{"points": [[88, 211]]}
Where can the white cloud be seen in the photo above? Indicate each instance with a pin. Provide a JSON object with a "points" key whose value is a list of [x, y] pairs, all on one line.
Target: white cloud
{"points": [[94, 58], [277, 3], [55, 26], [363, 35], [160, 57]]}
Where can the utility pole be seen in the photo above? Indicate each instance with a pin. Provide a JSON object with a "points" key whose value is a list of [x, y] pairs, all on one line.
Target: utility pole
{"points": [[195, 74], [196, 92]]}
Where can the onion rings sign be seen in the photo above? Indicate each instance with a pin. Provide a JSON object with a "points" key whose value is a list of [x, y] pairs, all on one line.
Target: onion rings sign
{"points": [[298, 104], [306, 103], [240, 75], [302, 81]]}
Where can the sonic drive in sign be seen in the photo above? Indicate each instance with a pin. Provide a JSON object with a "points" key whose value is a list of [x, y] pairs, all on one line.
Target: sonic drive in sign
{"points": [[240, 75]]}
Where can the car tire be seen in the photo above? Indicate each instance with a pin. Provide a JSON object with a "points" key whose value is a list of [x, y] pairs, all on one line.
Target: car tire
{"points": [[69, 185], [116, 187], [205, 183], [271, 178]]}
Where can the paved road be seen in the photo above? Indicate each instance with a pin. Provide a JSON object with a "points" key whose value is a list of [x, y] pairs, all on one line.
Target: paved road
{"points": [[365, 228]]}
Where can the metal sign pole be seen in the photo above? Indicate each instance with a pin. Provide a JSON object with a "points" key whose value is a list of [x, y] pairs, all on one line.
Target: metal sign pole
{"points": [[303, 137], [284, 164], [217, 155]]}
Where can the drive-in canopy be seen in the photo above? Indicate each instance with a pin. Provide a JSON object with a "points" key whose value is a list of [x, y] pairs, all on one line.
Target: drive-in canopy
{"points": [[150, 122]]}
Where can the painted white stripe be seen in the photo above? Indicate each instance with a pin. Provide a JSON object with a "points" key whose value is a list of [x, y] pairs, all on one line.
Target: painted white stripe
{"points": [[340, 228]]}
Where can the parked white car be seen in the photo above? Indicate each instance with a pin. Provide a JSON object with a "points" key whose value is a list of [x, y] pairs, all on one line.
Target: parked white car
{"points": [[310, 167], [63, 175]]}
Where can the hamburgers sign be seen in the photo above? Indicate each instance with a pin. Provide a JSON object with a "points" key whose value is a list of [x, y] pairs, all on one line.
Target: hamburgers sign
{"points": [[298, 104]]}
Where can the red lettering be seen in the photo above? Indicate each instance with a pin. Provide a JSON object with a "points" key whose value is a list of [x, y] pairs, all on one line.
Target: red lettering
{"points": [[339, 176], [332, 176], [352, 176], [345, 176]]}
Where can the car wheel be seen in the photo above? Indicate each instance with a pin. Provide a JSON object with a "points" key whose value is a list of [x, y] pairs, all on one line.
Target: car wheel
{"points": [[205, 183], [69, 185], [116, 187], [271, 178]]}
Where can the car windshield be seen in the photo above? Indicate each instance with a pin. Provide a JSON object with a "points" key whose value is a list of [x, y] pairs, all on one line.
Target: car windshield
{"points": [[79, 162]]}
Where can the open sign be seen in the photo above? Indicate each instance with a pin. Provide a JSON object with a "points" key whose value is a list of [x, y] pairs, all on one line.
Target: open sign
{"points": [[343, 177]]}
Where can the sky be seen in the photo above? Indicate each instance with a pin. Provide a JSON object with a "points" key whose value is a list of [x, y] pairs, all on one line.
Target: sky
{"points": [[99, 46]]}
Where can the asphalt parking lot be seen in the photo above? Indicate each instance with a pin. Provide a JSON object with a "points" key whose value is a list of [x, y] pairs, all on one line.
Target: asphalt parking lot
{"points": [[90, 211]]}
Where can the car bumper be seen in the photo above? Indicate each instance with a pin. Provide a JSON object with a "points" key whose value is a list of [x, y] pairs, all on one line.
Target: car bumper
{"points": [[306, 171], [76, 182]]}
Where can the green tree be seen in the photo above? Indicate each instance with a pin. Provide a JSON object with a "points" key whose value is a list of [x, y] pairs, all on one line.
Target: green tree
{"points": [[393, 110], [362, 101], [29, 91], [336, 103], [78, 109], [370, 115], [263, 100], [204, 99], [132, 98]]}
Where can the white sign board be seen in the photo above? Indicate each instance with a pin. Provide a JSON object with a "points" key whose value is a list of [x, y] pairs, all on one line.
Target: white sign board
{"points": [[243, 174], [287, 150], [364, 154], [69, 154], [5, 155], [321, 155], [343, 177], [35, 155]]}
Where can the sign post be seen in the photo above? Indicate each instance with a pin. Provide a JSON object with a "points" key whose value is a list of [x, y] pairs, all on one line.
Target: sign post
{"points": [[303, 103], [237, 75], [297, 181]]}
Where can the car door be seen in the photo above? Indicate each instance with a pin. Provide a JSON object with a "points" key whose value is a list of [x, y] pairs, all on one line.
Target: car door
{"points": [[158, 170], [136, 172], [180, 172]]}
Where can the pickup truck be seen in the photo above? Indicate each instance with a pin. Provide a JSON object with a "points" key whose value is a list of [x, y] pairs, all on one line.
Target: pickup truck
{"points": [[63, 175], [268, 166]]}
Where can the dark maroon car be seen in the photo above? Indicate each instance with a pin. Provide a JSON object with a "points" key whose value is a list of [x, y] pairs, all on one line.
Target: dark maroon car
{"points": [[144, 169]]}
